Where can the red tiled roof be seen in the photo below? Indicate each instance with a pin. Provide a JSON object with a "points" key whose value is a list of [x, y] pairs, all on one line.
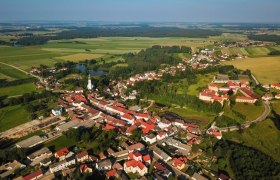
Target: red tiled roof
{"points": [[134, 163], [177, 162], [128, 116], [146, 158], [111, 173], [62, 152], [248, 93], [33, 175], [109, 127], [82, 154], [135, 146]]}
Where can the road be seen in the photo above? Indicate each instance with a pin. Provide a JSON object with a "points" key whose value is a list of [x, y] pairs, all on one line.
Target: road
{"points": [[262, 117]]}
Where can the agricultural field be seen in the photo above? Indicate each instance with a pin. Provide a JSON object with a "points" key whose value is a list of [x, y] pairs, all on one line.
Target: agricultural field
{"points": [[12, 116], [250, 51], [263, 136], [266, 69], [18, 89], [80, 57], [9, 73]]}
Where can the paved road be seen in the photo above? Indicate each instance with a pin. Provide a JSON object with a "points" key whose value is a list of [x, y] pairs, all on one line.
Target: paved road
{"points": [[262, 117]]}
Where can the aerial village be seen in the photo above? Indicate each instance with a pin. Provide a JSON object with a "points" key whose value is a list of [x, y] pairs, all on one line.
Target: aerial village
{"points": [[159, 135], [77, 110]]}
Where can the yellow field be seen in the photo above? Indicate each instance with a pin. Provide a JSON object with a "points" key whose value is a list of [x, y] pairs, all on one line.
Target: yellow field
{"points": [[80, 57], [266, 69]]}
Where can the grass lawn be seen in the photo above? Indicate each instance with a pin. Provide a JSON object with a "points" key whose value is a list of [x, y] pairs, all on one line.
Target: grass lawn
{"points": [[63, 141], [18, 89], [251, 111], [205, 118], [276, 106], [266, 69], [202, 81], [263, 136], [12, 116]]}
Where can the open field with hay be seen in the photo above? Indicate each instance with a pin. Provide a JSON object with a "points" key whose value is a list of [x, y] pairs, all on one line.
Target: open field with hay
{"points": [[266, 69]]}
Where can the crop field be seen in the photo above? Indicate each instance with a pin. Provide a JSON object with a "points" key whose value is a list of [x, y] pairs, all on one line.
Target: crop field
{"points": [[12, 116], [80, 57], [9, 73], [17, 90], [263, 136], [250, 51], [266, 69]]}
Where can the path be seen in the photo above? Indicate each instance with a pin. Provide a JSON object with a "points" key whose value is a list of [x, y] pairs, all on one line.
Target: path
{"points": [[262, 117], [33, 75], [255, 79]]}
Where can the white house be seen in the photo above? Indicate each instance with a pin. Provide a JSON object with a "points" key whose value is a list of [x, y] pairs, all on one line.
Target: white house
{"points": [[133, 166]]}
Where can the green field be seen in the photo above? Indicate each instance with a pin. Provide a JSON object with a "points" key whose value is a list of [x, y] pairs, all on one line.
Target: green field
{"points": [[18, 89], [204, 118], [12, 116], [9, 73], [263, 136], [202, 82], [251, 111], [266, 69], [250, 51]]}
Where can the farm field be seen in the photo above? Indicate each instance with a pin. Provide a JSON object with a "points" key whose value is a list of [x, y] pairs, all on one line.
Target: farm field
{"points": [[81, 49], [18, 89], [266, 69], [80, 57], [263, 136], [12, 116], [9, 73], [250, 51]]}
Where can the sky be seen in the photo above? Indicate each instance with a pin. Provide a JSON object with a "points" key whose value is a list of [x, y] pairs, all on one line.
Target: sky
{"points": [[264, 11]]}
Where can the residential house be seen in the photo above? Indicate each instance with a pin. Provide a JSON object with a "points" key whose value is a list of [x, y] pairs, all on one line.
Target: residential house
{"points": [[41, 153], [85, 169], [164, 124], [136, 147], [35, 175], [62, 164], [133, 166], [161, 154], [82, 156], [161, 135], [151, 138], [103, 165]]}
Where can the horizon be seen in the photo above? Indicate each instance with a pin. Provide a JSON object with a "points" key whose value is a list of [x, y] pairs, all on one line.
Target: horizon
{"points": [[176, 11]]}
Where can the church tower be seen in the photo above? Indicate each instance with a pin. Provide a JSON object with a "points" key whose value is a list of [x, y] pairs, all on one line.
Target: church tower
{"points": [[89, 85]]}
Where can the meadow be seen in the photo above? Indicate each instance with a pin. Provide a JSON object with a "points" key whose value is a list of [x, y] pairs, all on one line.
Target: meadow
{"points": [[266, 69], [18, 90], [12, 116], [263, 136]]}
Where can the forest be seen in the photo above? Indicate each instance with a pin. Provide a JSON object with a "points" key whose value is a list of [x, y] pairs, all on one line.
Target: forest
{"points": [[246, 162]]}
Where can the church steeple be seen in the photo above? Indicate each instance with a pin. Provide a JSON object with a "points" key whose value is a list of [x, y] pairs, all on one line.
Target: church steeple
{"points": [[89, 85]]}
